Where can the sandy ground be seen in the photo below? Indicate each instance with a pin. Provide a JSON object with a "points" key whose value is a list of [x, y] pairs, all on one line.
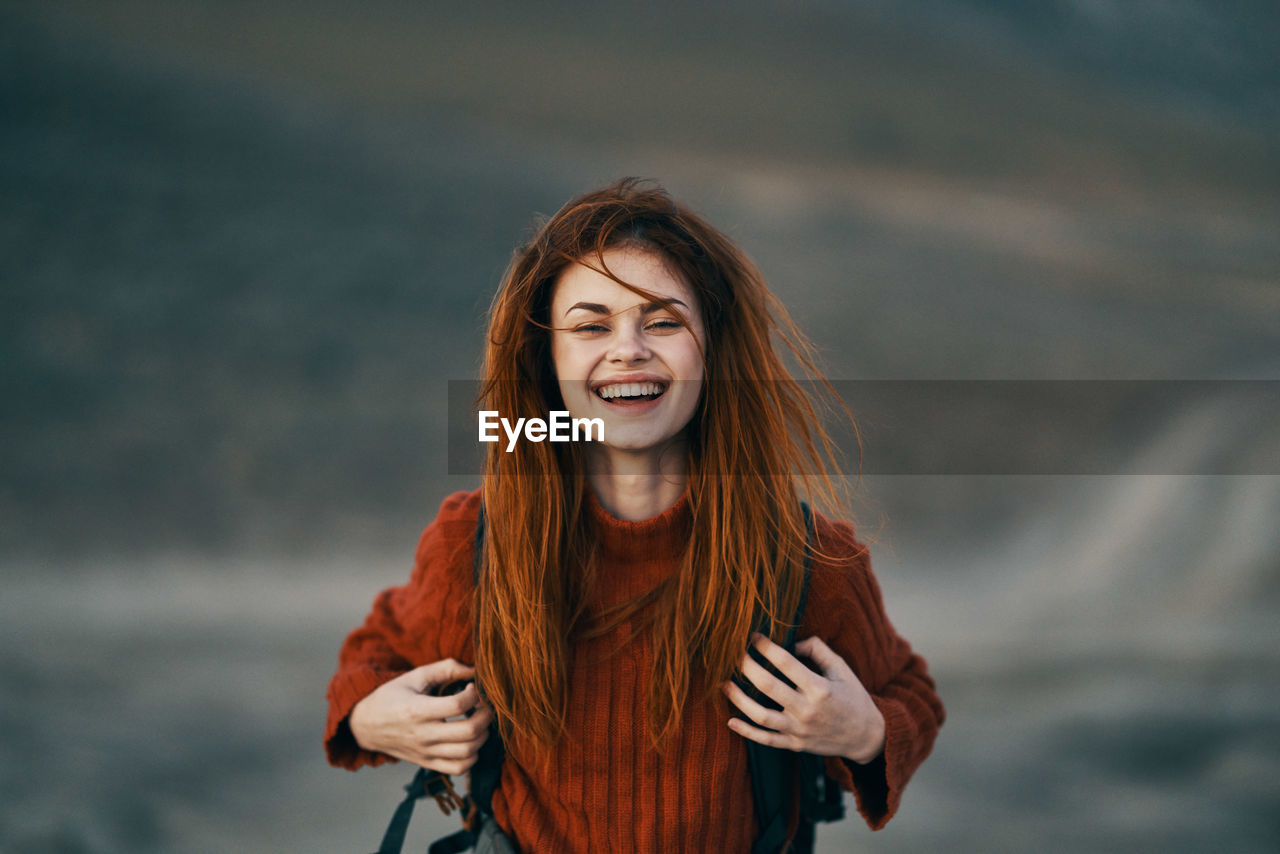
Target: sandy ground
{"points": [[178, 706]]}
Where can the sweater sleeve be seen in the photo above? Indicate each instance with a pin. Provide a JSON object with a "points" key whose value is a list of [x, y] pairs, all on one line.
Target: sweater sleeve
{"points": [[846, 609], [424, 620]]}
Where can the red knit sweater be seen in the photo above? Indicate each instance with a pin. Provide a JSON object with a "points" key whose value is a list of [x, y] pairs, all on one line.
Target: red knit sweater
{"points": [[604, 787]]}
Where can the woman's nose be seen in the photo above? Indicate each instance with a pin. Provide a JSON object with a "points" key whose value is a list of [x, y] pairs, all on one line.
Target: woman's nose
{"points": [[628, 345]]}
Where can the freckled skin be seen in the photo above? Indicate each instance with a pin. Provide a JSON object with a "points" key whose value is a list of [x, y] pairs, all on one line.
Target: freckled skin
{"points": [[588, 347]]}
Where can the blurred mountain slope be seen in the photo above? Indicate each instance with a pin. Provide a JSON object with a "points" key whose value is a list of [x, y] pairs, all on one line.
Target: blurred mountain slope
{"points": [[242, 244]]}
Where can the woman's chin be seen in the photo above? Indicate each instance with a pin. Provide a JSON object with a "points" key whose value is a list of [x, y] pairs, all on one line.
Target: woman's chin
{"points": [[634, 446]]}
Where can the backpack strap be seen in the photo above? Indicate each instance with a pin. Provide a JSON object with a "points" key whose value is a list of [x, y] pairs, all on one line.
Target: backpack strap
{"points": [[772, 768], [487, 771], [821, 798], [424, 783]]}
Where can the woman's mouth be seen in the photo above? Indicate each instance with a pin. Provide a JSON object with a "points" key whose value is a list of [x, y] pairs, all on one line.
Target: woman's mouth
{"points": [[630, 393]]}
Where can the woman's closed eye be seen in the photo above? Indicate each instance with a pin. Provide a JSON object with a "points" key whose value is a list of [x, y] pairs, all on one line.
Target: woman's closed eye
{"points": [[661, 326]]}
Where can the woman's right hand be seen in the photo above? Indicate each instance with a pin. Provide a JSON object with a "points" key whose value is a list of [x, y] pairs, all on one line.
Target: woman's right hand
{"points": [[402, 720]]}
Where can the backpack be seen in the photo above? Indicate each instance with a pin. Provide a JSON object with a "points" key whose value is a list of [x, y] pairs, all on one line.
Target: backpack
{"points": [[777, 775]]}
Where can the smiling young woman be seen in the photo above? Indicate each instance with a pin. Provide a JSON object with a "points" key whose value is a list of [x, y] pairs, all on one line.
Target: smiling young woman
{"points": [[635, 363], [623, 581]]}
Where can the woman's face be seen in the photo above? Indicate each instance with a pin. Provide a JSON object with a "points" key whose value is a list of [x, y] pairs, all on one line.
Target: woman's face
{"points": [[625, 360]]}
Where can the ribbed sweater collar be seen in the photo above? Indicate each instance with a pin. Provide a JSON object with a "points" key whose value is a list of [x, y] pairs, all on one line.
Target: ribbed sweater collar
{"points": [[658, 539]]}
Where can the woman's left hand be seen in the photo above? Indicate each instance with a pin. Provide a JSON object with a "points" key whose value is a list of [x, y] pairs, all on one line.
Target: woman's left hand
{"points": [[828, 713]]}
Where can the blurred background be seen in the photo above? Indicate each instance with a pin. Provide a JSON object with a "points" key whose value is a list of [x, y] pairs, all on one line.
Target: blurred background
{"points": [[244, 246]]}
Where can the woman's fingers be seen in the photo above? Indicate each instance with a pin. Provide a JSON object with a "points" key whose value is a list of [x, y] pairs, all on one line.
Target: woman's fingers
{"points": [[828, 713], [401, 719], [753, 710], [455, 749], [437, 673], [466, 729], [451, 746], [832, 665], [768, 684], [452, 732], [790, 666], [805, 680], [427, 707], [482, 716], [763, 736]]}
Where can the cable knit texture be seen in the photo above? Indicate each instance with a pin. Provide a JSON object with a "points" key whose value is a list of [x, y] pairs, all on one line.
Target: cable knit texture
{"points": [[605, 787]]}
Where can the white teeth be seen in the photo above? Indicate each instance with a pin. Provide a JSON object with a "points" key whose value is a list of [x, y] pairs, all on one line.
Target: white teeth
{"points": [[629, 390]]}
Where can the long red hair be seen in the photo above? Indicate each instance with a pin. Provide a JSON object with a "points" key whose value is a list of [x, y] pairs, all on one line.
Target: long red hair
{"points": [[754, 439]]}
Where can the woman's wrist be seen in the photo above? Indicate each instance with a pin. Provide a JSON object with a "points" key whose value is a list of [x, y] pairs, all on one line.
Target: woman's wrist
{"points": [[872, 742], [355, 723]]}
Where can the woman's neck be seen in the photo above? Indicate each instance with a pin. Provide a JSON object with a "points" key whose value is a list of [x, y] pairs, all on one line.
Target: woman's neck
{"points": [[637, 486]]}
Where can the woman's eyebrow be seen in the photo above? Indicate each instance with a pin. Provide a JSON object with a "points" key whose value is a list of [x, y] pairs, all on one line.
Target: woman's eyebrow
{"points": [[647, 308], [593, 307]]}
